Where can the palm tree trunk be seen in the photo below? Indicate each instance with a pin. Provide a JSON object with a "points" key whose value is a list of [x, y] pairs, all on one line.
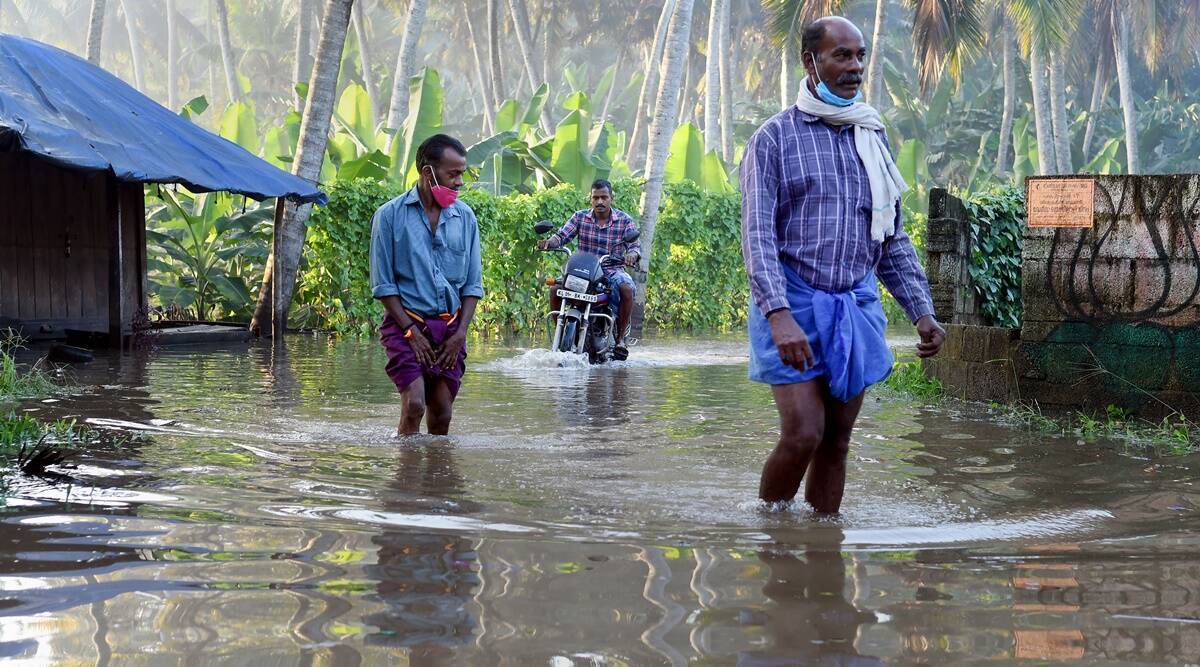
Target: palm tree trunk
{"points": [[364, 59], [685, 91], [482, 81], [616, 77], [712, 78], [520, 19], [785, 79], [875, 67], [499, 91], [231, 80], [302, 64], [726, 66], [172, 56], [314, 134], [1058, 109], [1099, 95], [1125, 87], [1006, 117], [95, 30], [660, 133], [135, 55], [650, 83], [405, 64], [1041, 112]]}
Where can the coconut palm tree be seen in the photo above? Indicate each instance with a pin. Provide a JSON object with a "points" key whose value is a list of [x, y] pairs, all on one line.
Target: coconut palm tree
{"points": [[227, 59], [364, 59], [520, 18], [135, 53], [661, 130], [726, 75], [270, 314], [654, 61], [95, 30], [405, 66], [875, 65], [1121, 23], [712, 76], [499, 91], [172, 56], [1043, 26], [302, 64]]}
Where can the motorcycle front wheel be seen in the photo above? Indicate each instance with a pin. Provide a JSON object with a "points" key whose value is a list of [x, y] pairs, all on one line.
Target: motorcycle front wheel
{"points": [[567, 342]]}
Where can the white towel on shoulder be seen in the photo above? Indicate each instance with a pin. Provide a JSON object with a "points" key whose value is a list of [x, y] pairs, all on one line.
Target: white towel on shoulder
{"points": [[886, 183]]}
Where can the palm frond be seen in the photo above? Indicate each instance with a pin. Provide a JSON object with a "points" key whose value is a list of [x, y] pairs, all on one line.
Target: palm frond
{"points": [[946, 34], [787, 18], [1044, 24]]}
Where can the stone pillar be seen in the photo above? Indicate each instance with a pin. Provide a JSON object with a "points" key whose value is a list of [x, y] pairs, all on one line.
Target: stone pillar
{"points": [[948, 260]]}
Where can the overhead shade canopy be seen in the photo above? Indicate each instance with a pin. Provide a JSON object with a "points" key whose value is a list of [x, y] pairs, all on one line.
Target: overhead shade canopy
{"points": [[67, 110]]}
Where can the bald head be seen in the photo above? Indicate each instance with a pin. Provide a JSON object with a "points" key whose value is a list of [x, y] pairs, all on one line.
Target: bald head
{"points": [[833, 51]]}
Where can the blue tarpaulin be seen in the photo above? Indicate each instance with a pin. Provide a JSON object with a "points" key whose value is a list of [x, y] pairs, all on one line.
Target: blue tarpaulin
{"points": [[59, 106]]}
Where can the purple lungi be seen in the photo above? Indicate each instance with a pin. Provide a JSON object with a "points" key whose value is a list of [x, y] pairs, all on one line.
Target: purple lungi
{"points": [[403, 366]]}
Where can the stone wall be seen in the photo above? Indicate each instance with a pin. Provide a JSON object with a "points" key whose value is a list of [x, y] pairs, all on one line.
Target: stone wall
{"points": [[948, 259], [1111, 314]]}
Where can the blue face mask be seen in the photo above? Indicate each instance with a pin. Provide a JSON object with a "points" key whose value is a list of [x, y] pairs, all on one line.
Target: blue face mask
{"points": [[828, 96]]}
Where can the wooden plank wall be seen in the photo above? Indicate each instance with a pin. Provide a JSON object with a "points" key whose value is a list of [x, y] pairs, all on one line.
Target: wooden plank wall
{"points": [[55, 237]]}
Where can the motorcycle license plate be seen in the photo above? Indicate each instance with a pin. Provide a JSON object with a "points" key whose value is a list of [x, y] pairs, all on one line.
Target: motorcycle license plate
{"points": [[578, 296]]}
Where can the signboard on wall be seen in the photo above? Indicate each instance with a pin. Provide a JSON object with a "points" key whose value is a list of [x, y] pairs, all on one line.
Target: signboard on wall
{"points": [[1061, 202]]}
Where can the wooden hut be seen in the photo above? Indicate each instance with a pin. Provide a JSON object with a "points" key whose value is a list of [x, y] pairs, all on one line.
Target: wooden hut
{"points": [[77, 145]]}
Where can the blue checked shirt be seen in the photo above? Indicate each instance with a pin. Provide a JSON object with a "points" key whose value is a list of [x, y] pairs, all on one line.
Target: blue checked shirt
{"points": [[806, 203]]}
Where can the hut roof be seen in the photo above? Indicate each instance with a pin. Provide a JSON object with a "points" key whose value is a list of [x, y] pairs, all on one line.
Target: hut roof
{"points": [[67, 110]]}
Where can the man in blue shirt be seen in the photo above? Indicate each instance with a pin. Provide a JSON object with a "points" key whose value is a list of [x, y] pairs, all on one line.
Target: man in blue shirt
{"points": [[426, 270]]}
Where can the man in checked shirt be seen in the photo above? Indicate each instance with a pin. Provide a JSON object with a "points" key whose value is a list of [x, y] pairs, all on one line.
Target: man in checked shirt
{"points": [[820, 221], [600, 230]]}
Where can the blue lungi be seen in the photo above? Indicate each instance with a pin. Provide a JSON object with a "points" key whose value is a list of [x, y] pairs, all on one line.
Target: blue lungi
{"points": [[846, 331]]}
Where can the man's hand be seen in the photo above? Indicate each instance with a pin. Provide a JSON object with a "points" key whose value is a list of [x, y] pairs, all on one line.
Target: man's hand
{"points": [[447, 354], [632, 258], [545, 244], [932, 336], [420, 346], [791, 340]]}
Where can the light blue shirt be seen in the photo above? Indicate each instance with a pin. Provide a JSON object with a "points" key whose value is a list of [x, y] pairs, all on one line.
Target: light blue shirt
{"points": [[430, 272]]}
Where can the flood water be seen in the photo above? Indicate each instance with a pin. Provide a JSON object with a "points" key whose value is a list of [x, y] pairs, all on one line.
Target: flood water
{"points": [[257, 510]]}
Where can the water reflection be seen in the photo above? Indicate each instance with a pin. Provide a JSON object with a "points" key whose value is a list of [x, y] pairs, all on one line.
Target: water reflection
{"points": [[425, 581], [808, 618]]}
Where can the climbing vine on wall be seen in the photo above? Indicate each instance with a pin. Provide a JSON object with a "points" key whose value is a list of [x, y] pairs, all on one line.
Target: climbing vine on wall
{"points": [[997, 217]]}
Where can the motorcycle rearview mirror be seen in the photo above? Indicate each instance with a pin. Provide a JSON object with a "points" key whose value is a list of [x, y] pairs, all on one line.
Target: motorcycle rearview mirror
{"points": [[543, 226], [631, 235]]}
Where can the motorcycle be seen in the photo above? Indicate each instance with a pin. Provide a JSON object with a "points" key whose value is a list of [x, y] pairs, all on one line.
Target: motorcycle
{"points": [[585, 319]]}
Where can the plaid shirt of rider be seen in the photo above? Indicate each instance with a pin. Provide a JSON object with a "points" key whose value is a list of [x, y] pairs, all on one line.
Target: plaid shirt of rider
{"points": [[600, 239]]}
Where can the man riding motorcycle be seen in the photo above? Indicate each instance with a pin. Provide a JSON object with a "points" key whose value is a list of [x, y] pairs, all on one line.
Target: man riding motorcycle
{"points": [[600, 230]]}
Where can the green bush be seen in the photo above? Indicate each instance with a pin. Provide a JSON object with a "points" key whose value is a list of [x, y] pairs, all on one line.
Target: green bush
{"points": [[997, 217], [697, 280]]}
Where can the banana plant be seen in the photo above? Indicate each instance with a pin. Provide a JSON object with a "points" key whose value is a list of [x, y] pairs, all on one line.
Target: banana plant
{"points": [[203, 249], [424, 120], [688, 162]]}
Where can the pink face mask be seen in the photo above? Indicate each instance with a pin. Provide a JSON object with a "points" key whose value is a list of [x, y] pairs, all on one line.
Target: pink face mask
{"points": [[444, 196]]}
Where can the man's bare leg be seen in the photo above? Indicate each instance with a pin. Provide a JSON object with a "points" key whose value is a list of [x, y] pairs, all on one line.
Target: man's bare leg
{"points": [[441, 407], [827, 470], [801, 409], [624, 312], [412, 408]]}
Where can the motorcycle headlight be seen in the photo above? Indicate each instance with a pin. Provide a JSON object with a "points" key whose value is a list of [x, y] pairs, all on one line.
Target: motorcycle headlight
{"points": [[575, 284]]}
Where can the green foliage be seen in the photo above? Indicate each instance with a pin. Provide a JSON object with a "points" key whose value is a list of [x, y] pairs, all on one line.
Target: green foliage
{"points": [[16, 383], [909, 379], [698, 279], [1174, 434], [997, 219], [688, 162], [204, 252], [425, 104]]}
